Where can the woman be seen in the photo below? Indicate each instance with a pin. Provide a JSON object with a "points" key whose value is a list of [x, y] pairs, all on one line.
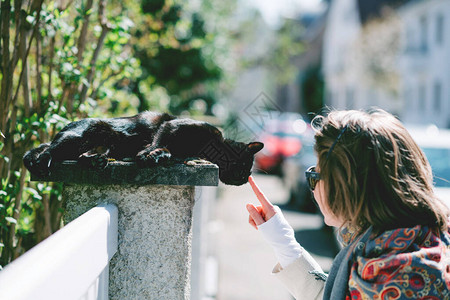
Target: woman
{"points": [[374, 183]]}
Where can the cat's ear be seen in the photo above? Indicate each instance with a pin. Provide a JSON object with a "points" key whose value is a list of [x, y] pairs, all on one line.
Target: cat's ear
{"points": [[254, 147]]}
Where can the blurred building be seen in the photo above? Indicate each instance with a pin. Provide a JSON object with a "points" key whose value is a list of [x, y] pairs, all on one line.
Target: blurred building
{"points": [[254, 40], [343, 26], [296, 96], [390, 54], [359, 56], [425, 61]]}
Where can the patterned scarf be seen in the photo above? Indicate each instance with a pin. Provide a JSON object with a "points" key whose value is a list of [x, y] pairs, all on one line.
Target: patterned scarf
{"points": [[405, 263]]}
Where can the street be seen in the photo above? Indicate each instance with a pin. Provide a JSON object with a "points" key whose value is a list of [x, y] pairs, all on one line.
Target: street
{"points": [[245, 260]]}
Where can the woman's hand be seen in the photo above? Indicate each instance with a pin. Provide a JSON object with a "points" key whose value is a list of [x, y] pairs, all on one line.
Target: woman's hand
{"points": [[277, 232], [261, 213]]}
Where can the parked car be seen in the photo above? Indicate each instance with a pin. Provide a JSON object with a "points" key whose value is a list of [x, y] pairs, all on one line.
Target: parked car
{"points": [[294, 167], [435, 143], [282, 139]]}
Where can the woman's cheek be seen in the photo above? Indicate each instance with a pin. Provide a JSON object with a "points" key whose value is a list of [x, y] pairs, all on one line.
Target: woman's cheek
{"points": [[329, 217]]}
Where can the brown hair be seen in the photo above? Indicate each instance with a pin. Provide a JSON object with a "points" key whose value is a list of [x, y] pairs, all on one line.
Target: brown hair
{"points": [[375, 175]]}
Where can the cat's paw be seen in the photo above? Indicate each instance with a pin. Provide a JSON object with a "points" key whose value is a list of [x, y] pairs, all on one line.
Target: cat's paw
{"points": [[196, 162], [96, 161], [152, 158]]}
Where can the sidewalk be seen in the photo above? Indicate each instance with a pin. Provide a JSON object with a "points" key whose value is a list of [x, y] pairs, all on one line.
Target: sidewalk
{"points": [[245, 260]]}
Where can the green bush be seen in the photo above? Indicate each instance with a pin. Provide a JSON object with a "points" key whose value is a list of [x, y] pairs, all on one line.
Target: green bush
{"points": [[65, 60]]}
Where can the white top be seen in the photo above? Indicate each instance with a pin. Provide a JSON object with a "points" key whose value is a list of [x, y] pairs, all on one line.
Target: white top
{"points": [[297, 279]]}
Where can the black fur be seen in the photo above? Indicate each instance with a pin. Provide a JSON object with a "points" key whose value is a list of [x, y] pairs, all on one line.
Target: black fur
{"points": [[149, 138]]}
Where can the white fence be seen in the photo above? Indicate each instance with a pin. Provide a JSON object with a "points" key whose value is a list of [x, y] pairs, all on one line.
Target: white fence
{"points": [[70, 264]]}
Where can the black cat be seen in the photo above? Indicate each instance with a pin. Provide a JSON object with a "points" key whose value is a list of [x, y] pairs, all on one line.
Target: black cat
{"points": [[148, 138]]}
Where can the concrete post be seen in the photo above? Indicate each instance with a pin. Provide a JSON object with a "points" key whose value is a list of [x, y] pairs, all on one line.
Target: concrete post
{"points": [[155, 221]]}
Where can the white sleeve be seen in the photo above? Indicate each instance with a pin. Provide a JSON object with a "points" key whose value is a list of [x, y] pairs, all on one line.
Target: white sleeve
{"points": [[280, 235], [300, 278], [297, 269]]}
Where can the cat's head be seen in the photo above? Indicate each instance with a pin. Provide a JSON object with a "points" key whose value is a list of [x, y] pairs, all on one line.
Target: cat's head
{"points": [[236, 163]]}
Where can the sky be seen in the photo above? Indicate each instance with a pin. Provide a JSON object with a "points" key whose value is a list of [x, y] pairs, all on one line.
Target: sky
{"points": [[271, 10]]}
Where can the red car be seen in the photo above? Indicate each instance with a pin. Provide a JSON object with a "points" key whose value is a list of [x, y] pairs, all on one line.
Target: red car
{"points": [[281, 138]]}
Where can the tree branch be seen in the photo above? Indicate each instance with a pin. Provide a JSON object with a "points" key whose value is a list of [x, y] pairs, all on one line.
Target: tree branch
{"points": [[38, 73], [5, 15], [50, 73], [25, 86], [105, 29], [102, 82], [24, 63], [20, 29], [47, 230], [81, 45], [16, 212]]}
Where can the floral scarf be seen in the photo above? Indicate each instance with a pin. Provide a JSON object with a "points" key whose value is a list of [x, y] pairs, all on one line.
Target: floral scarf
{"points": [[405, 263]]}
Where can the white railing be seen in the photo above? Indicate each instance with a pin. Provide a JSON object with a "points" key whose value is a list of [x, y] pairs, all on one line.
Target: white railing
{"points": [[73, 263]]}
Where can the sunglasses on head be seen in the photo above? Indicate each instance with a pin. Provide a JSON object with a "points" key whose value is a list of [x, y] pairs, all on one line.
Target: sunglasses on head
{"points": [[312, 177]]}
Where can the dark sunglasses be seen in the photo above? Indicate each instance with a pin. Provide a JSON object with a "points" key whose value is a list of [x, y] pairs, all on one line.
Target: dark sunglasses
{"points": [[312, 177]]}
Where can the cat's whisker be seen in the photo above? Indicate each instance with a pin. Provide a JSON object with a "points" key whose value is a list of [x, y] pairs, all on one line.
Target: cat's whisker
{"points": [[260, 170]]}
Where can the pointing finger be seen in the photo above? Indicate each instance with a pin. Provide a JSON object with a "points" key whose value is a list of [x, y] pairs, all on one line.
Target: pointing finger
{"points": [[259, 194]]}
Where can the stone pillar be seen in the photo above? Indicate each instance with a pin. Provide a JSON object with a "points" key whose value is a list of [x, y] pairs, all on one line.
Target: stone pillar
{"points": [[155, 221]]}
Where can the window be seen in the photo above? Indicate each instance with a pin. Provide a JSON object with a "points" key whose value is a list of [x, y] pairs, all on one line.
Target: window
{"points": [[423, 34], [422, 97], [440, 29], [409, 39], [437, 97], [411, 103]]}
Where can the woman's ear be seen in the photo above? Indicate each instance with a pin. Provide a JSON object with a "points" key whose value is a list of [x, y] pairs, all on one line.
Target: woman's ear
{"points": [[254, 147]]}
